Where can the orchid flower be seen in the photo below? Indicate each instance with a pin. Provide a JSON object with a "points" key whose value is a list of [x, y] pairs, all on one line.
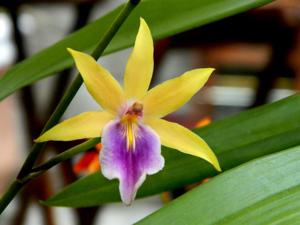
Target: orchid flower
{"points": [[130, 125]]}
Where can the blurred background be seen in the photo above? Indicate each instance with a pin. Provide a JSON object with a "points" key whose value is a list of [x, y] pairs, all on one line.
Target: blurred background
{"points": [[257, 60]]}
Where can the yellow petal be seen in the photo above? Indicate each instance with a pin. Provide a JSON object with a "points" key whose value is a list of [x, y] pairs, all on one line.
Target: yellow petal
{"points": [[84, 125], [139, 69], [99, 82], [178, 137], [172, 94]]}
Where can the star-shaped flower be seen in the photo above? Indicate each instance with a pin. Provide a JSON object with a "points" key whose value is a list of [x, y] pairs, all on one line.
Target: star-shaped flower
{"points": [[131, 127]]}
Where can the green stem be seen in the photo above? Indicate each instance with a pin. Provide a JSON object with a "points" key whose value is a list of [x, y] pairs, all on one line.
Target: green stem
{"points": [[37, 171], [67, 154], [62, 106], [70, 93], [14, 188]]}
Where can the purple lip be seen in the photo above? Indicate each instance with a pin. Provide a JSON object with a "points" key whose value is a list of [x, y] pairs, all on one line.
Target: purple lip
{"points": [[128, 165]]}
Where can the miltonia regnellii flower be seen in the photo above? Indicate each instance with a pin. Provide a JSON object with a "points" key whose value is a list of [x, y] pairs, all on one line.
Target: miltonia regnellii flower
{"points": [[130, 124]]}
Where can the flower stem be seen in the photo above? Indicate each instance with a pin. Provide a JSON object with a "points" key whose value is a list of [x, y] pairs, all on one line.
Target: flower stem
{"points": [[13, 189], [67, 154], [70, 93], [37, 171], [62, 106]]}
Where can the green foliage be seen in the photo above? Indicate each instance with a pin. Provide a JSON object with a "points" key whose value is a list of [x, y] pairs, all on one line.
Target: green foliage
{"points": [[177, 16], [263, 191], [235, 140]]}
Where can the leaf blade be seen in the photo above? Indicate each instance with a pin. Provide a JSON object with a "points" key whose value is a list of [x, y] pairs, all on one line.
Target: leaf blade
{"points": [[251, 134], [177, 17], [243, 195]]}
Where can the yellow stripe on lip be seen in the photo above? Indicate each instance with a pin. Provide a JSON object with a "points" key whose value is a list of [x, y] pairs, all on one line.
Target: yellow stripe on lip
{"points": [[130, 137], [129, 122], [130, 119]]}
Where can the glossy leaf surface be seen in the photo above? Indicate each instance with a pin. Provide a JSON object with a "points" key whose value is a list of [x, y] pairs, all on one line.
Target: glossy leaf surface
{"points": [[235, 140], [263, 191], [164, 17]]}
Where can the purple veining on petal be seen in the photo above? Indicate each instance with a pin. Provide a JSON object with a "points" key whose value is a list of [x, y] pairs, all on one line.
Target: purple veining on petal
{"points": [[129, 166]]}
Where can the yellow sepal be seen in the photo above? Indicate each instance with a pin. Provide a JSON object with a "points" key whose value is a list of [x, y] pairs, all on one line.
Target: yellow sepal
{"points": [[172, 94], [99, 82], [139, 69], [178, 137], [84, 125]]}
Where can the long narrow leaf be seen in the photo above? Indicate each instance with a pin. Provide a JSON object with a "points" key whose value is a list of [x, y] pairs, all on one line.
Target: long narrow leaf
{"points": [[235, 140], [165, 18], [264, 191]]}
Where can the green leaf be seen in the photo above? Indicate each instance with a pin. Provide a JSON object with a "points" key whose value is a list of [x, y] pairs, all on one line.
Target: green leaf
{"points": [[235, 140], [264, 191], [165, 18]]}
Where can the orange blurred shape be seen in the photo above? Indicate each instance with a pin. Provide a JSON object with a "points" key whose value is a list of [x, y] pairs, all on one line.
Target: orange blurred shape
{"points": [[203, 122], [89, 162], [166, 197], [98, 147]]}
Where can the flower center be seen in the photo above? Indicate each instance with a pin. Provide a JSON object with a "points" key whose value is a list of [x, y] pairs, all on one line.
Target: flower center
{"points": [[130, 119], [135, 110]]}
